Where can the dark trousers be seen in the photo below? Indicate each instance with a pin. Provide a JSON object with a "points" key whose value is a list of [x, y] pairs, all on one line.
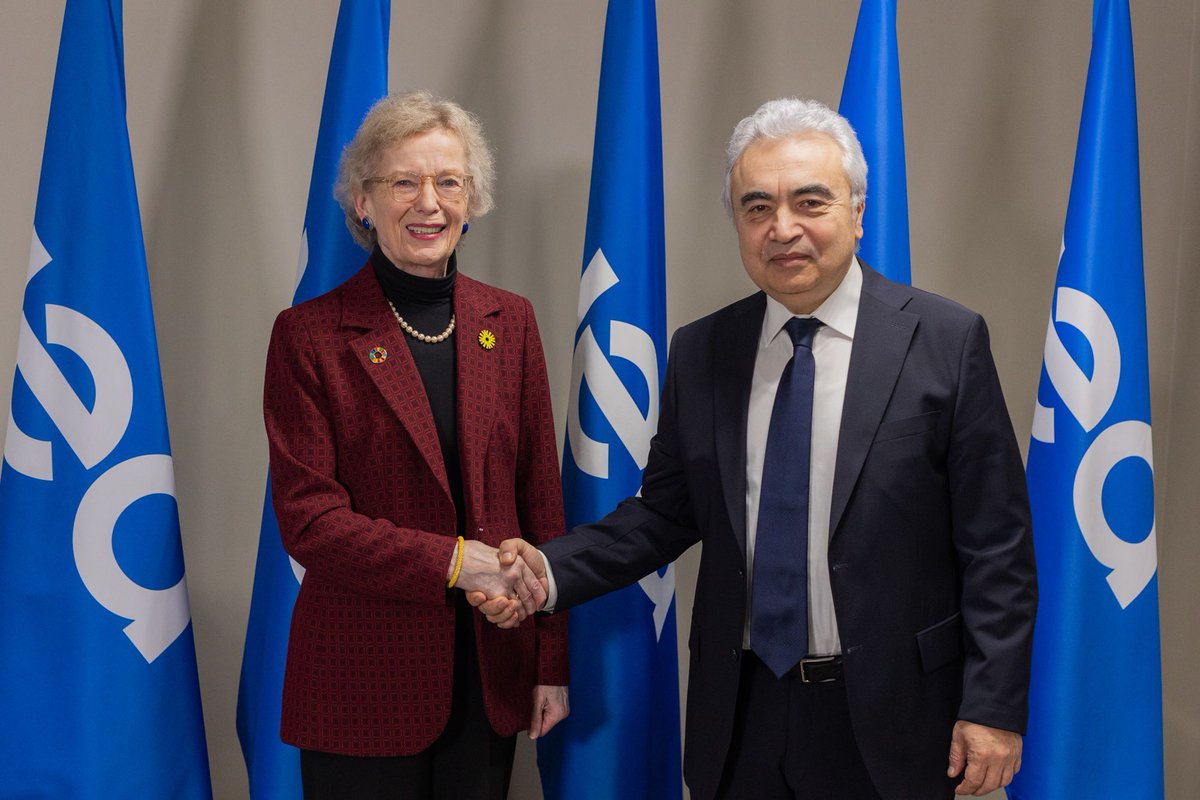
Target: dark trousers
{"points": [[469, 761], [792, 741]]}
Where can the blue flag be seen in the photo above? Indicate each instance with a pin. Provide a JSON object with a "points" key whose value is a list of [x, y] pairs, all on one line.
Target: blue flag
{"points": [[871, 101], [99, 696], [1095, 725], [621, 741], [328, 256]]}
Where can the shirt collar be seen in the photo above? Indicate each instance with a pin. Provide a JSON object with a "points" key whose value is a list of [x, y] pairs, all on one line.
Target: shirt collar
{"points": [[839, 312]]}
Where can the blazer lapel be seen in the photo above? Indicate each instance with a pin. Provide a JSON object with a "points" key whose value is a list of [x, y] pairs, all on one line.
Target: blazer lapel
{"points": [[478, 377], [881, 338], [732, 370], [395, 375]]}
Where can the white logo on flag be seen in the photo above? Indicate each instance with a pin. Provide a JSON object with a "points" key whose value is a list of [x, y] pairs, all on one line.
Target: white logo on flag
{"points": [[627, 342], [1133, 564], [158, 616], [633, 429]]}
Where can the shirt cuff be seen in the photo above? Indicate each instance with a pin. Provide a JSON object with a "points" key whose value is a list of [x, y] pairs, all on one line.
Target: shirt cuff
{"points": [[551, 589]]}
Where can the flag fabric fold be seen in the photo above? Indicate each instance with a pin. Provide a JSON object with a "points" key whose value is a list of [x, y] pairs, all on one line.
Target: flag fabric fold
{"points": [[100, 695], [871, 101], [621, 740], [357, 77], [1095, 726]]}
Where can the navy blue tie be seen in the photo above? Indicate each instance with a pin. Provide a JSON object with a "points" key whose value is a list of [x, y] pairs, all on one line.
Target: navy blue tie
{"points": [[779, 597]]}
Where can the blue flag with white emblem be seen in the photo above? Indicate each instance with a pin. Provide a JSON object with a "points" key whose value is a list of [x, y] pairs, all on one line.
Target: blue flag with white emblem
{"points": [[1095, 723], [621, 741], [99, 693], [871, 101], [328, 256]]}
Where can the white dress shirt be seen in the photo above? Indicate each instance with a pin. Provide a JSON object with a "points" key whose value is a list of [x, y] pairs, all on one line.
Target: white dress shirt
{"points": [[831, 353]]}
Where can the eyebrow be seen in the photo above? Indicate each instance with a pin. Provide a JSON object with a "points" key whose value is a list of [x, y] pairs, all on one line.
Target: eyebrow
{"points": [[750, 197], [818, 189]]}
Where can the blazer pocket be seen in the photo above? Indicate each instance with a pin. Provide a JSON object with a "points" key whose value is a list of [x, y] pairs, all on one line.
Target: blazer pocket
{"points": [[941, 644], [908, 426]]}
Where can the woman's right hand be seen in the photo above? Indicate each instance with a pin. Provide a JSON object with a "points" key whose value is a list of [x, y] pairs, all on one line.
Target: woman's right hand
{"points": [[484, 573], [502, 611]]}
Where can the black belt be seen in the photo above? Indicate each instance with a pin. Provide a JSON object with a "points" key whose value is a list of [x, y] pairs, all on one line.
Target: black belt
{"points": [[818, 670]]}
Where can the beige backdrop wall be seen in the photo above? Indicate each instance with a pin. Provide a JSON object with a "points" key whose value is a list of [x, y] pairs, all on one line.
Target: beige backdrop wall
{"points": [[224, 99]]}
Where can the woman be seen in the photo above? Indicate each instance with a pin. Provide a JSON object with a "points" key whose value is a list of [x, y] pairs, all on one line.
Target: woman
{"points": [[410, 428]]}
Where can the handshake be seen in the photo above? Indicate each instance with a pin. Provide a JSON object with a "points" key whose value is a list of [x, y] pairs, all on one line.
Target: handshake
{"points": [[506, 584]]}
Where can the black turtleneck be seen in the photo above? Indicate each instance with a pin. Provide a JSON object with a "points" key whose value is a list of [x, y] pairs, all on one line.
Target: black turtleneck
{"points": [[426, 305]]}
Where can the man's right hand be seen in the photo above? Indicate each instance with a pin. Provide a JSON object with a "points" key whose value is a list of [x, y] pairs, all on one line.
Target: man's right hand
{"points": [[506, 612], [484, 570]]}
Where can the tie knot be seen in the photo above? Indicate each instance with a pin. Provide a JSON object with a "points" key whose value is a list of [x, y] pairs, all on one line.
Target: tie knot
{"points": [[802, 330]]}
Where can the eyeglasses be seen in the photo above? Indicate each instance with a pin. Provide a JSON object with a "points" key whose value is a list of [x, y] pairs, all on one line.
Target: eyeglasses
{"points": [[406, 186]]}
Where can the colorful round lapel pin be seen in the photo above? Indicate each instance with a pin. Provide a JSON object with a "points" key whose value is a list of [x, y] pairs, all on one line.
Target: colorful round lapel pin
{"points": [[487, 339], [378, 355]]}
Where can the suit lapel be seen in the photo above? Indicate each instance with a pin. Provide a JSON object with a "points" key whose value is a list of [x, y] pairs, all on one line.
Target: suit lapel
{"points": [[732, 369], [478, 377], [395, 376], [881, 338]]}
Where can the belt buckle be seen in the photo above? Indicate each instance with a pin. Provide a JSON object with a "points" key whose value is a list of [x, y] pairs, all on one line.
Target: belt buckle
{"points": [[805, 663]]}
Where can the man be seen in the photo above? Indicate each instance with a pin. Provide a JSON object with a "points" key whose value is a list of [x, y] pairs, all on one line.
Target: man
{"points": [[866, 595]]}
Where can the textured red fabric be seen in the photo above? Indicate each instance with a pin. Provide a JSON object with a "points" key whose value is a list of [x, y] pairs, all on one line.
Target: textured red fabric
{"points": [[363, 503]]}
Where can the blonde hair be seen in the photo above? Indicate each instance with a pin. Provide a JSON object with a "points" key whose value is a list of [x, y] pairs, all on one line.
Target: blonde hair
{"points": [[392, 120]]}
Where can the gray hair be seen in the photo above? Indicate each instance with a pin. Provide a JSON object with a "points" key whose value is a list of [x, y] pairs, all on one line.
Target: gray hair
{"points": [[392, 120], [789, 116]]}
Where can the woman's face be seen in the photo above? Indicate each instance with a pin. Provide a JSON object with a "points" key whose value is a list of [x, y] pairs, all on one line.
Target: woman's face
{"points": [[419, 234]]}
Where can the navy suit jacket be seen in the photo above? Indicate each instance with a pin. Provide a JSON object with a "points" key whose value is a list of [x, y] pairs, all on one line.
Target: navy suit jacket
{"points": [[930, 553]]}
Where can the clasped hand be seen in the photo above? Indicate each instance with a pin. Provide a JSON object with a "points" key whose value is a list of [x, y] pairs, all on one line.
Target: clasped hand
{"points": [[502, 582], [505, 608], [508, 585]]}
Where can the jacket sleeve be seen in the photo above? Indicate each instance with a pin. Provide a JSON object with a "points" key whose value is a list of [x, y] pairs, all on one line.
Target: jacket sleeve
{"points": [[644, 532], [539, 493], [992, 532], [318, 525]]}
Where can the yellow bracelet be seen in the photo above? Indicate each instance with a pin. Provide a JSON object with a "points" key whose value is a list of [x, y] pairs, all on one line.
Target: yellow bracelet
{"points": [[457, 564]]}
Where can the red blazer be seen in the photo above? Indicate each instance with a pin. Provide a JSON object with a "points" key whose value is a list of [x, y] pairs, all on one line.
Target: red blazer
{"points": [[363, 503]]}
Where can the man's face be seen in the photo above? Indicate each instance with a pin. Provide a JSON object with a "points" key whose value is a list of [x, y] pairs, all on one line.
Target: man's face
{"points": [[797, 230]]}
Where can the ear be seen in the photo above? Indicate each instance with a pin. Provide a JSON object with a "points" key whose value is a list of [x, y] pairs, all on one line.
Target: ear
{"points": [[363, 206], [858, 223]]}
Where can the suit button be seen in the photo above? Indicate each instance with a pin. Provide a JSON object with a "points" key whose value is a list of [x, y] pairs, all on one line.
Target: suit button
{"points": [[741, 573], [734, 653]]}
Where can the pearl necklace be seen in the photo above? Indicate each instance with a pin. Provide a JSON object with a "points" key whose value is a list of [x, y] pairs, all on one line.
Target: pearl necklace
{"points": [[413, 332]]}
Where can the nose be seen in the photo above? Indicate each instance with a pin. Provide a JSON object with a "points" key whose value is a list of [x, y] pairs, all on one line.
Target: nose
{"points": [[785, 225], [427, 197]]}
